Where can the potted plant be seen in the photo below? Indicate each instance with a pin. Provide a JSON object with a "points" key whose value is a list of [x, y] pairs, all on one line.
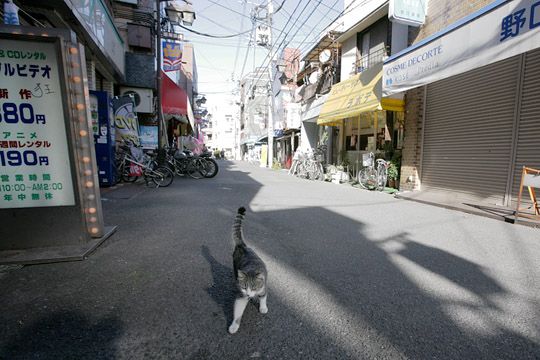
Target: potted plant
{"points": [[392, 175]]}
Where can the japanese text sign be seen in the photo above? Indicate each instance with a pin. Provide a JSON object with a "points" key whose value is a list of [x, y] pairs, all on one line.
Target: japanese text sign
{"points": [[34, 158], [497, 32]]}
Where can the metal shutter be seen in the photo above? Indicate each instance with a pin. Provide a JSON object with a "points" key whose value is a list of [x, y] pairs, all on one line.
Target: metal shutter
{"points": [[468, 132], [528, 138]]}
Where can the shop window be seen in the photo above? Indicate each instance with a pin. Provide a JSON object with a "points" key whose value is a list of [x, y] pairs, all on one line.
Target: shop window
{"points": [[351, 134]]}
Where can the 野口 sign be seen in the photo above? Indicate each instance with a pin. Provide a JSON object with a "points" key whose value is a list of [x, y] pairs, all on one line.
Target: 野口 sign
{"points": [[497, 32], [35, 166]]}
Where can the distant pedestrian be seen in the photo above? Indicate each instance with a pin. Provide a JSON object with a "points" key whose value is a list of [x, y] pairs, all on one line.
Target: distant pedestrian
{"points": [[222, 154]]}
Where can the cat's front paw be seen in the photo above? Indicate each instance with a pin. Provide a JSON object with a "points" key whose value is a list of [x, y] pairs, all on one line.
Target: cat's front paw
{"points": [[263, 309], [233, 328]]}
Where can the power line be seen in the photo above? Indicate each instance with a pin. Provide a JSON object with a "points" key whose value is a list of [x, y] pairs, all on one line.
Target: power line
{"points": [[218, 24], [236, 12], [238, 46], [212, 36], [282, 30], [271, 50], [345, 11]]}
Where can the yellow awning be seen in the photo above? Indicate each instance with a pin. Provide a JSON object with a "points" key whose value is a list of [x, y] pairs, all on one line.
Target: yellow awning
{"points": [[358, 94]]}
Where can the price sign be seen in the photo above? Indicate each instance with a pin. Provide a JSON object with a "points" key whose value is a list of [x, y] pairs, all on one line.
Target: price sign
{"points": [[35, 166]]}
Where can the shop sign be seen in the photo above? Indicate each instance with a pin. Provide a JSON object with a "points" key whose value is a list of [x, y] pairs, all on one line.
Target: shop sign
{"points": [[149, 136], [172, 55], [408, 12], [96, 19], [497, 32], [125, 120], [34, 159]]}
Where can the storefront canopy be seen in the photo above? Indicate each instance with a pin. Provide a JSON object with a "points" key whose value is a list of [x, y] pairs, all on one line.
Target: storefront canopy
{"points": [[496, 32], [358, 94], [174, 101]]}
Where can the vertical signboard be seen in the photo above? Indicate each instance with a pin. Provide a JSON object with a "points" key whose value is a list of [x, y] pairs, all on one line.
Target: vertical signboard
{"points": [[172, 55], [49, 192], [34, 158]]}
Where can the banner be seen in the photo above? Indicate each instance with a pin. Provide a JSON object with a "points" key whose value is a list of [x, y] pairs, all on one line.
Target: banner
{"points": [[35, 166], [149, 136], [125, 120], [499, 31], [172, 55]]}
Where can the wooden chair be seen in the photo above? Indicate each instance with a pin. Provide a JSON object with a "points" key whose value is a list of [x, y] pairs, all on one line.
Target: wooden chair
{"points": [[531, 179]]}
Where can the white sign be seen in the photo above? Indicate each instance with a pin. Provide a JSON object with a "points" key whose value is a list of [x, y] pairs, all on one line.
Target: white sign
{"points": [[34, 157], [495, 33], [408, 12]]}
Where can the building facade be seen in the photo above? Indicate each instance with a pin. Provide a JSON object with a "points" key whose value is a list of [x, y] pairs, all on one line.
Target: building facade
{"points": [[472, 109], [361, 121]]}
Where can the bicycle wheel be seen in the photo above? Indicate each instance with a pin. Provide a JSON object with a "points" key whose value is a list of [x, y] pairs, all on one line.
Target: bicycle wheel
{"points": [[381, 178], [301, 170], [320, 172], [209, 168], [162, 176], [193, 168], [367, 177]]}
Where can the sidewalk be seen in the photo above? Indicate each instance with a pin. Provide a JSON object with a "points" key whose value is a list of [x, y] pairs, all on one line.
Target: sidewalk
{"points": [[502, 213]]}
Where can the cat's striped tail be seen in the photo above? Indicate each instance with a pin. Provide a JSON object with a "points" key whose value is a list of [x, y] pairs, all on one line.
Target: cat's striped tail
{"points": [[238, 234]]}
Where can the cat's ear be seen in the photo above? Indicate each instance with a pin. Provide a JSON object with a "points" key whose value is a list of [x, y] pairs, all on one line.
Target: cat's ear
{"points": [[241, 275]]}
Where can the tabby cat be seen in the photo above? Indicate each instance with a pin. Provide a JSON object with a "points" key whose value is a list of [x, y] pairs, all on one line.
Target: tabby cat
{"points": [[250, 274]]}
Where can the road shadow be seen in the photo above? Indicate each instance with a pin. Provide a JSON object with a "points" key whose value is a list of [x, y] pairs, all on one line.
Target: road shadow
{"points": [[362, 278], [65, 335], [222, 290], [462, 272]]}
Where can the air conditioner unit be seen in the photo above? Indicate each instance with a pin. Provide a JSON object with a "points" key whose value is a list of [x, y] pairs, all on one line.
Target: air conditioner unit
{"points": [[144, 98]]}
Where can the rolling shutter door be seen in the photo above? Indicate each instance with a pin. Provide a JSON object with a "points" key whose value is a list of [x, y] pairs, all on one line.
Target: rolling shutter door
{"points": [[528, 140], [468, 132]]}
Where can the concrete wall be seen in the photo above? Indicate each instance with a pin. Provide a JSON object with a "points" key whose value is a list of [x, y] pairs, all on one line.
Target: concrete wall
{"points": [[348, 57], [441, 13]]}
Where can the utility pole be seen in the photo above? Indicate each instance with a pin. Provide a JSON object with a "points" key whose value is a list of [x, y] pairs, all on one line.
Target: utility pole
{"points": [[270, 126], [159, 80]]}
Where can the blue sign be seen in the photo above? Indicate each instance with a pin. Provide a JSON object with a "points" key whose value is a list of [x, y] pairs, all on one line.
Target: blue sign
{"points": [[149, 136], [513, 23]]}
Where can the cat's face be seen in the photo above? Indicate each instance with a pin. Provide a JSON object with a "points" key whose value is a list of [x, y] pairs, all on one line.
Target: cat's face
{"points": [[251, 284]]}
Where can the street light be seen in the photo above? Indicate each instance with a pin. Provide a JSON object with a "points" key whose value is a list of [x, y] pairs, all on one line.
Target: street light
{"points": [[175, 12], [181, 13]]}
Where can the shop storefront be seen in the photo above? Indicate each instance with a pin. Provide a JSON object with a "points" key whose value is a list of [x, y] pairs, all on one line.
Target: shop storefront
{"points": [[177, 112], [480, 116], [310, 132], [362, 120]]}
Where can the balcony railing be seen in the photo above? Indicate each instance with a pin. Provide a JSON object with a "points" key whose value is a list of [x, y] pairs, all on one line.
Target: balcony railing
{"points": [[369, 60]]}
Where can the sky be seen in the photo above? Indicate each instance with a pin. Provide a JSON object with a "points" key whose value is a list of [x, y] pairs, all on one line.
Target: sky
{"points": [[299, 23]]}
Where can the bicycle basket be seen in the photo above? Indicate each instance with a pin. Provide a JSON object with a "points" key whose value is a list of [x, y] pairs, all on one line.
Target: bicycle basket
{"points": [[367, 160]]}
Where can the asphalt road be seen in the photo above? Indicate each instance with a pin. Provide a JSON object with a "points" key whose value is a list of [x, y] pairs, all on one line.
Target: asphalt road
{"points": [[352, 275]]}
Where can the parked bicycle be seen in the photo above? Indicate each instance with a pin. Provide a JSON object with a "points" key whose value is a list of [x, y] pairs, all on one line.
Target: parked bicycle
{"points": [[132, 163], [375, 173], [184, 162], [308, 164]]}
